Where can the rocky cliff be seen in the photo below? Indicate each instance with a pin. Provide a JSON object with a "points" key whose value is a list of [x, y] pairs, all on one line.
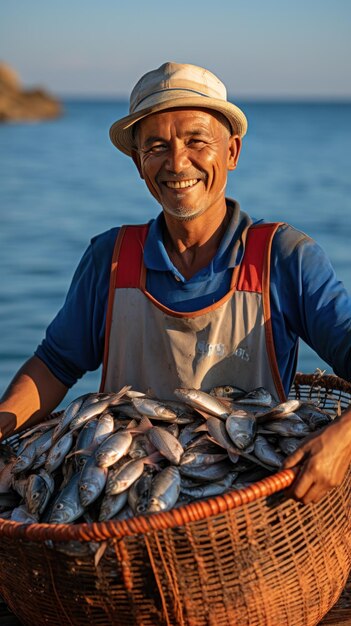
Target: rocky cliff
{"points": [[17, 104]]}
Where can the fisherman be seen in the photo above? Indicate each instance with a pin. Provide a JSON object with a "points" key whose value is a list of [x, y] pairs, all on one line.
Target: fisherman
{"points": [[203, 295]]}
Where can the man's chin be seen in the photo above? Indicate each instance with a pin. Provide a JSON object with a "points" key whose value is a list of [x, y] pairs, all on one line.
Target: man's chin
{"points": [[182, 213]]}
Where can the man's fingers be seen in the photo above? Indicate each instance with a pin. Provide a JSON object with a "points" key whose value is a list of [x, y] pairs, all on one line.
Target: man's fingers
{"points": [[301, 485], [295, 458]]}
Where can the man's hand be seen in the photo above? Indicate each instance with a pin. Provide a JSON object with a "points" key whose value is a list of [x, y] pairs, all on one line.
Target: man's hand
{"points": [[323, 460]]}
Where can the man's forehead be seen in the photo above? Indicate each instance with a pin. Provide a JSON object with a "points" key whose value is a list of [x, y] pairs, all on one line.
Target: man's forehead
{"points": [[185, 116]]}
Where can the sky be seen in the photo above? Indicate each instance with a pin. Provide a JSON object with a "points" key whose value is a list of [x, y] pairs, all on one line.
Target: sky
{"points": [[259, 48]]}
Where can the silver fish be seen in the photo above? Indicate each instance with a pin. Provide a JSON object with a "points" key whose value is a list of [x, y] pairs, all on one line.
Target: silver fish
{"points": [[206, 473], [89, 412], [194, 458], [21, 514], [289, 445], [19, 485], [218, 433], [124, 514], [94, 409], [165, 490], [210, 489], [267, 453], [280, 410], [313, 416], [69, 413], [241, 430], [227, 391], [285, 428], [104, 429], [58, 452], [113, 448], [127, 410], [139, 493], [154, 409], [121, 479], [188, 433], [91, 482], [173, 429], [140, 447], [40, 488], [43, 443], [166, 443], [84, 441], [67, 506], [25, 460], [257, 397], [39, 461], [111, 505], [203, 401]]}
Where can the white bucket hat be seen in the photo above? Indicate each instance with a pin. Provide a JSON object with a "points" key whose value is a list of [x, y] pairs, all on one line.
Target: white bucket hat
{"points": [[170, 86]]}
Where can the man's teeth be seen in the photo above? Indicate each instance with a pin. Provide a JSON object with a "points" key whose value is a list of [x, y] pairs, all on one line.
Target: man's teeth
{"points": [[180, 184]]}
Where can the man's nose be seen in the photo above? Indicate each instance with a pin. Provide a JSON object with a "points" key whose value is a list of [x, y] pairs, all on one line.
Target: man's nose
{"points": [[178, 158]]}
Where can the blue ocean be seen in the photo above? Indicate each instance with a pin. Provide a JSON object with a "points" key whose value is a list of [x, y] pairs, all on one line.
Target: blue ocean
{"points": [[62, 182]]}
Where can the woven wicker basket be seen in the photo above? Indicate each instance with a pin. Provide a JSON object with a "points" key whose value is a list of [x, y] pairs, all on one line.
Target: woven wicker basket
{"points": [[251, 557]]}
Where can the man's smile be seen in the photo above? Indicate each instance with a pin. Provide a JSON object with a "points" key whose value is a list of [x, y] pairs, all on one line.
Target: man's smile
{"points": [[181, 184]]}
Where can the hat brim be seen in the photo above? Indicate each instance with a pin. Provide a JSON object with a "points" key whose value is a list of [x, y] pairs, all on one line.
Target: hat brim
{"points": [[121, 132]]}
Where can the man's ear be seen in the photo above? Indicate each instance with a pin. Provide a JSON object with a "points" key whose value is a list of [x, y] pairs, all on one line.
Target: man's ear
{"points": [[136, 159], [234, 149]]}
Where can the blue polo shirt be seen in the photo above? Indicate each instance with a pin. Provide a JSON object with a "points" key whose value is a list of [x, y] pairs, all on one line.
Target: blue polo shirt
{"points": [[307, 300]]}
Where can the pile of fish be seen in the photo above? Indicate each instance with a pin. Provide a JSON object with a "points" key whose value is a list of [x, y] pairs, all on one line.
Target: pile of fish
{"points": [[116, 455]]}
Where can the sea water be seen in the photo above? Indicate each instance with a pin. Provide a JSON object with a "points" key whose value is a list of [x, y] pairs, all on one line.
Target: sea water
{"points": [[62, 182]]}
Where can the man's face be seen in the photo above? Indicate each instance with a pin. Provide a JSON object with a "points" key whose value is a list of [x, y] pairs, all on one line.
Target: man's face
{"points": [[184, 156]]}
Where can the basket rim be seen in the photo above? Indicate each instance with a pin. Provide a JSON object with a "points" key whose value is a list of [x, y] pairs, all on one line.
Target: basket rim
{"points": [[192, 512]]}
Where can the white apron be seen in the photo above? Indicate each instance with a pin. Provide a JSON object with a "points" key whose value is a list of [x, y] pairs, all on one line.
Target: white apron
{"points": [[151, 347]]}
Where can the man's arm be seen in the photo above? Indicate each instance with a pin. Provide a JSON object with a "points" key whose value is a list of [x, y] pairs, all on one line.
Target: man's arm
{"points": [[32, 395], [323, 460], [314, 305]]}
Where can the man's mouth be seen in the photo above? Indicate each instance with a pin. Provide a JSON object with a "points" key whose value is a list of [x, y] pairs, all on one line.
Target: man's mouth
{"points": [[181, 184]]}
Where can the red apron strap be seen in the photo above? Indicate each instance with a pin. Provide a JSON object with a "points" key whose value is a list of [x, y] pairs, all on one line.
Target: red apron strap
{"points": [[252, 265], [127, 270], [131, 254], [254, 276]]}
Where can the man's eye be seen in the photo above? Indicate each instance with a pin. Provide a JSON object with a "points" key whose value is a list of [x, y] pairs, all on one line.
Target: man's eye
{"points": [[197, 143], [157, 147]]}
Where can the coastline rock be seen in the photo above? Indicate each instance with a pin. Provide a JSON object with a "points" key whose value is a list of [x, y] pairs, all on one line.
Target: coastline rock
{"points": [[19, 105]]}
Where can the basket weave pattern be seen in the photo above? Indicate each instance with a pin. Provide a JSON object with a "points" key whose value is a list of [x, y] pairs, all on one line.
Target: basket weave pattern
{"points": [[249, 558]]}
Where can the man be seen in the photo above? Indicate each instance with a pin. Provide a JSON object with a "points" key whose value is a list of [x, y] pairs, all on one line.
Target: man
{"points": [[201, 296]]}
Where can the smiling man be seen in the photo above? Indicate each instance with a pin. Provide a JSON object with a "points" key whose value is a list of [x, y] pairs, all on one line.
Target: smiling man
{"points": [[203, 295]]}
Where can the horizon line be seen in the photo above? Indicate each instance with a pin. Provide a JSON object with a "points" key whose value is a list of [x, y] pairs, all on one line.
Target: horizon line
{"points": [[244, 98]]}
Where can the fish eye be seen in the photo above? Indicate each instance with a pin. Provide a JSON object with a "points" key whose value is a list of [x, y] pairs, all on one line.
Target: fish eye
{"points": [[59, 506]]}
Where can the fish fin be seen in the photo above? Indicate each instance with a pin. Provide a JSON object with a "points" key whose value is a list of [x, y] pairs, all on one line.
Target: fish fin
{"points": [[199, 429], [119, 395], [153, 458], [87, 451], [204, 414], [145, 424]]}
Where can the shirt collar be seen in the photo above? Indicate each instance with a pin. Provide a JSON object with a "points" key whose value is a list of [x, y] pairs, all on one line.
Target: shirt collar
{"points": [[228, 255]]}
